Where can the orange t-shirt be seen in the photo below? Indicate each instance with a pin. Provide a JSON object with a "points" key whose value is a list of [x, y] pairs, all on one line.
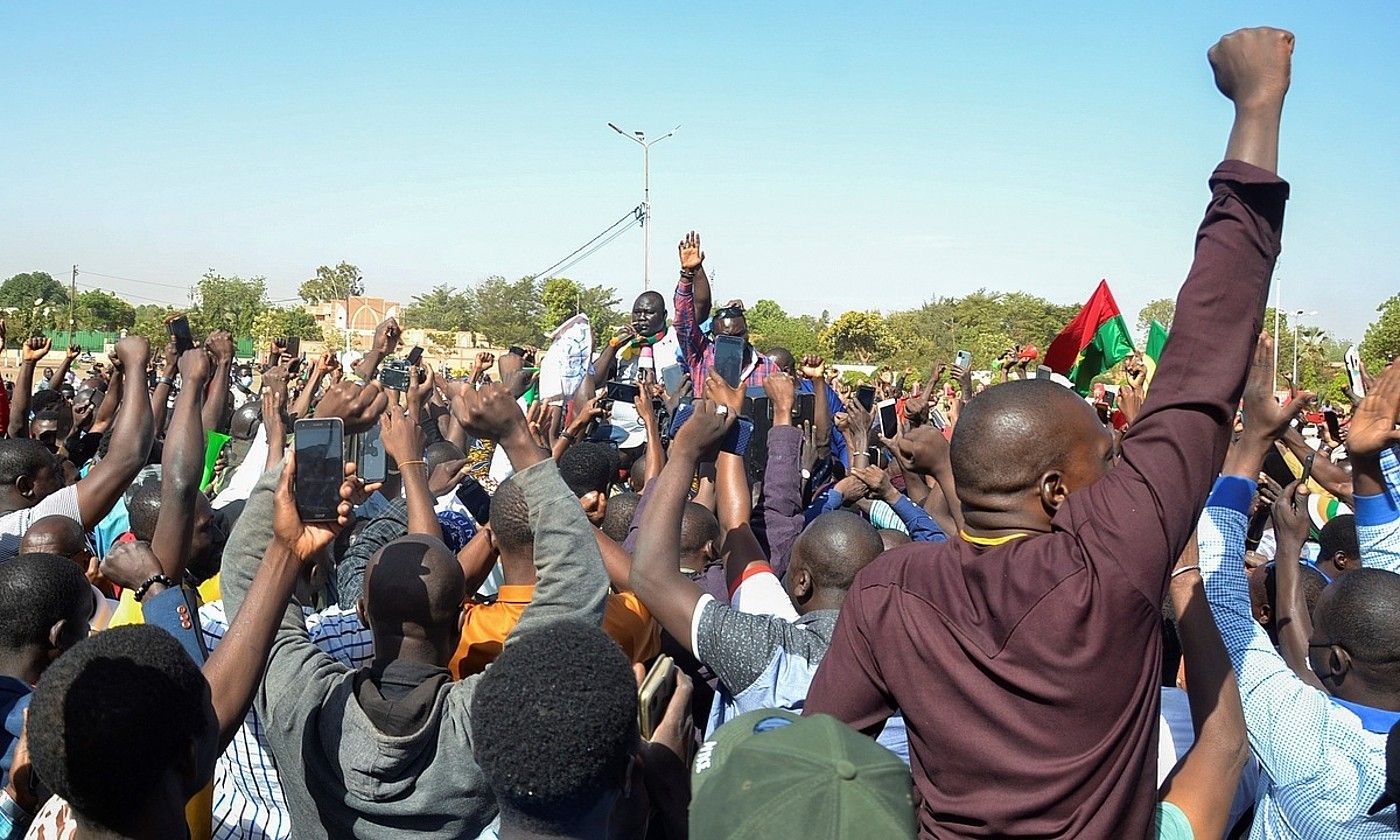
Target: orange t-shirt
{"points": [[625, 619]]}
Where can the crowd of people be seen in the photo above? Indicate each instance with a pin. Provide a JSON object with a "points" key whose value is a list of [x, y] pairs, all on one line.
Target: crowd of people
{"points": [[715, 591]]}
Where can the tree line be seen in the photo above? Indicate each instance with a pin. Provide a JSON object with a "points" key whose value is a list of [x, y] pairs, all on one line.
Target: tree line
{"points": [[526, 311]]}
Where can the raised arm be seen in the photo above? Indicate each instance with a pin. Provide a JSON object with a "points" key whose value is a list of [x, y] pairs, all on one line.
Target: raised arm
{"points": [[182, 465], [403, 441], [64, 366], [693, 261], [657, 580], [319, 367], [686, 311], [386, 339], [1140, 515], [165, 383], [781, 511], [571, 581], [1291, 617], [31, 353], [131, 438], [1203, 782], [1373, 444], [216, 393]]}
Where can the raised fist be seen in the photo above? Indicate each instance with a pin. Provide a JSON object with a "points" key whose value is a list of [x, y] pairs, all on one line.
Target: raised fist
{"points": [[1252, 66]]}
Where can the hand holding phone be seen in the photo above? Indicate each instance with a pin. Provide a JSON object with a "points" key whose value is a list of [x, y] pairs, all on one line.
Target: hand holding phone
{"points": [[180, 332], [655, 694], [729, 358], [319, 443]]}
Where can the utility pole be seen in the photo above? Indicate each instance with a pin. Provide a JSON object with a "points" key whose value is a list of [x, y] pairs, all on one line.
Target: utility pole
{"points": [[640, 139], [72, 307], [1297, 324]]}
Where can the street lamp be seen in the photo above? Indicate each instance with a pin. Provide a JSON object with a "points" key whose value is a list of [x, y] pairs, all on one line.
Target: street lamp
{"points": [[1298, 315], [640, 139]]}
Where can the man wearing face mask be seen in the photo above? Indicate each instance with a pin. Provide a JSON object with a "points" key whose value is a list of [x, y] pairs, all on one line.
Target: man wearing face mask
{"points": [[693, 306]]}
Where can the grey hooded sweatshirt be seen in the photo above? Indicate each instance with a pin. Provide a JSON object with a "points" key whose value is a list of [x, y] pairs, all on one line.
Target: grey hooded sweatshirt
{"points": [[341, 776]]}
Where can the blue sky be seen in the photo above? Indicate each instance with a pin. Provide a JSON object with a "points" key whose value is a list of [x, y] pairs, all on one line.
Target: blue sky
{"points": [[833, 156]]}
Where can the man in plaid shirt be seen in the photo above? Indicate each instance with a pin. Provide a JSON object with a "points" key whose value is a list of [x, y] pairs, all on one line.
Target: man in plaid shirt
{"points": [[692, 307]]}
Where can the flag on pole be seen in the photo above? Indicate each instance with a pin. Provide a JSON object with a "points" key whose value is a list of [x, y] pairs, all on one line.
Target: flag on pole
{"points": [[1156, 342], [1096, 340]]}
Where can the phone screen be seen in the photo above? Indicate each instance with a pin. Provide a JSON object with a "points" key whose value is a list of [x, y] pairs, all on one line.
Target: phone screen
{"points": [[1333, 426], [672, 377], [889, 419], [414, 355], [180, 331], [373, 464], [293, 345], [805, 409], [320, 449], [865, 395], [964, 359], [729, 358], [622, 392], [1043, 372]]}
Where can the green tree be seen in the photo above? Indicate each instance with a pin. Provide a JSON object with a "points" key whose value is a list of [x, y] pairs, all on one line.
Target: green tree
{"points": [[562, 298], [337, 283], [508, 312], [291, 321], [864, 335], [770, 326], [1381, 343], [983, 323], [101, 310], [227, 303], [150, 322], [441, 308], [33, 303], [1162, 311]]}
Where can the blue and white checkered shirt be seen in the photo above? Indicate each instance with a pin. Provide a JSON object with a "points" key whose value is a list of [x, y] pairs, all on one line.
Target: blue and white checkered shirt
{"points": [[248, 803], [1378, 518], [1320, 769]]}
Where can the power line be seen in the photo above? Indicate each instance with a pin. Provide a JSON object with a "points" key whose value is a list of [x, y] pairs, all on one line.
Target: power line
{"points": [[635, 214], [596, 248], [134, 280]]}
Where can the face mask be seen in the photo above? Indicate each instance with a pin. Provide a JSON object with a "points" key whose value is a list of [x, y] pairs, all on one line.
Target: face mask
{"points": [[247, 381]]}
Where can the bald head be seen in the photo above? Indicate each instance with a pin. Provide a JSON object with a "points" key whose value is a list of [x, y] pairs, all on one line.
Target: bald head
{"points": [[834, 547], [1014, 433], [649, 314], [1360, 612], [55, 535], [414, 589], [699, 536]]}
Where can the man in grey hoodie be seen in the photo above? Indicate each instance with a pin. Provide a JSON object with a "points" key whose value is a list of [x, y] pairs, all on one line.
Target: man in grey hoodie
{"points": [[386, 751]]}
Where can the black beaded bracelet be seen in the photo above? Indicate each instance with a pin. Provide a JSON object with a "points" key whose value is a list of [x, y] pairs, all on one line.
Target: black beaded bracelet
{"points": [[167, 582]]}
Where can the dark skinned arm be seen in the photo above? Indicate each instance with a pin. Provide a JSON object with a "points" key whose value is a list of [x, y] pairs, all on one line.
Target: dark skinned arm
{"points": [[1332, 478], [811, 370], [403, 441], [112, 397], [131, 438], [655, 453], [668, 594], [160, 395], [32, 352], [302, 406], [1291, 523], [217, 395], [182, 465], [477, 558], [1203, 783], [386, 339], [65, 365]]}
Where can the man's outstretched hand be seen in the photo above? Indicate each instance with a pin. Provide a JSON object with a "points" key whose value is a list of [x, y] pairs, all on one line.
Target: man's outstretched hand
{"points": [[701, 433], [1252, 66], [1373, 424], [691, 255]]}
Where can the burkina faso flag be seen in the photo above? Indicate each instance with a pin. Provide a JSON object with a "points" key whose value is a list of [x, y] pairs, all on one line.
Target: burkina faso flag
{"points": [[1096, 340]]}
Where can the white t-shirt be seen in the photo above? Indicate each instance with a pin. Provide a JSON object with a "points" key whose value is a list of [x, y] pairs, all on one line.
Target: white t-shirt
{"points": [[1175, 735]]}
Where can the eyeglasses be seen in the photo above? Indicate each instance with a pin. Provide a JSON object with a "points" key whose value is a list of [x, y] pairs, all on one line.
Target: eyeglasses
{"points": [[730, 312]]}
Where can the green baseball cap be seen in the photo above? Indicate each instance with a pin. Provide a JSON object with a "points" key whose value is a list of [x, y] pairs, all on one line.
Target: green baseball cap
{"points": [[772, 774]]}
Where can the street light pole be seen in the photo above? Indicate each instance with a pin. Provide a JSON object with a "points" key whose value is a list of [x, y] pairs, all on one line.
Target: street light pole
{"points": [[640, 139], [1297, 325]]}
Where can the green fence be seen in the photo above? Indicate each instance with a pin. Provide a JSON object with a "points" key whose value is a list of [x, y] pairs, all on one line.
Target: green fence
{"points": [[96, 341]]}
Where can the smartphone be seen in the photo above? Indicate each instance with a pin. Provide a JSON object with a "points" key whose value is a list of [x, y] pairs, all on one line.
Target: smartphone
{"points": [[1307, 467], [372, 463], [180, 331], [865, 395], [1043, 372], [1334, 427], [889, 419], [295, 365], [937, 419], [320, 450], [477, 501], [414, 355], [293, 345], [805, 409], [729, 358], [655, 694], [622, 392], [672, 377], [964, 359], [1353, 364]]}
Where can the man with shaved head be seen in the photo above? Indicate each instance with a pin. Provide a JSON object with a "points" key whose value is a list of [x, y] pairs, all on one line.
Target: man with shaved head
{"points": [[1028, 652], [386, 751]]}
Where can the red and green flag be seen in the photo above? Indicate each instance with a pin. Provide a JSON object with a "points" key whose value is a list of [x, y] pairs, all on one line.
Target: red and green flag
{"points": [[1096, 340], [1152, 354]]}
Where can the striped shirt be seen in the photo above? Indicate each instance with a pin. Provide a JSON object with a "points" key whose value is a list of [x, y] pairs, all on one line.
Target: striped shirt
{"points": [[248, 802]]}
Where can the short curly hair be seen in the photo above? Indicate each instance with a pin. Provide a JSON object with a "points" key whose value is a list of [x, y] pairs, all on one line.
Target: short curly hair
{"points": [[554, 722], [112, 715], [38, 590], [588, 467]]}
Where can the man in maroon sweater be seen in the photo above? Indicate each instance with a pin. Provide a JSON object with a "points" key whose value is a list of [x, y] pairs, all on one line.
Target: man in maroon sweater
{"points": [[1025, 657]]}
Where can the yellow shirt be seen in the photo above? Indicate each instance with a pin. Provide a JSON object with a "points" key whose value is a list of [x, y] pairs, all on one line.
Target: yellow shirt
{"points": [[625, 619]]}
